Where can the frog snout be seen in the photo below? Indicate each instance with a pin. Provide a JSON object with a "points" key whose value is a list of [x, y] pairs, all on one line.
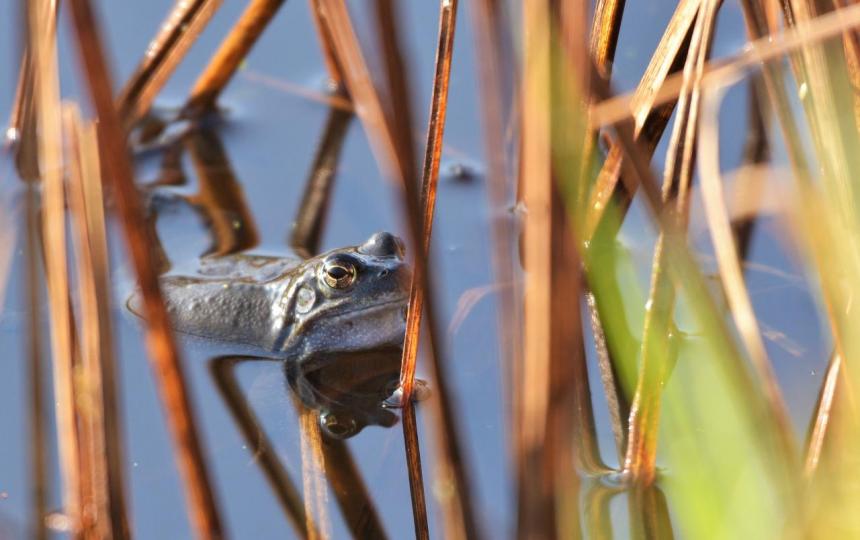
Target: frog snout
{"points": [[383, 244]]}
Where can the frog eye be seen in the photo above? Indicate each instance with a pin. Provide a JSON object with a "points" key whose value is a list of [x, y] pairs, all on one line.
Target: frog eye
{"points": [[338, 273]]}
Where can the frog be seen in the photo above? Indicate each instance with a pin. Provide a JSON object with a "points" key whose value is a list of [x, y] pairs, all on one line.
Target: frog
{"points": [[300, 310]]}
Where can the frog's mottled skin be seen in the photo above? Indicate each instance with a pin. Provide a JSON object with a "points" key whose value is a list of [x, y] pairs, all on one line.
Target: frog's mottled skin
{"points": [[286, 307]]}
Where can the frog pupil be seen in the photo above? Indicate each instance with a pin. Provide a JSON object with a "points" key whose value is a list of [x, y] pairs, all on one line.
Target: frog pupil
{"points": [[337, 272]]}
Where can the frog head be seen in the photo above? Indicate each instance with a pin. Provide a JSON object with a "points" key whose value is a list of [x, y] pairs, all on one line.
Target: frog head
{"points": [[346, 300]]}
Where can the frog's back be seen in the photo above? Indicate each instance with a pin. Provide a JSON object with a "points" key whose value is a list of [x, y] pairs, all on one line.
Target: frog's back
{"points": [[230, 298], [246, 267]]}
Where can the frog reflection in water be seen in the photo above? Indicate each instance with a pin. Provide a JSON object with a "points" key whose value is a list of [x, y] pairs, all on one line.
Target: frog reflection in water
{"points": [[343, 301], [349, 389]]}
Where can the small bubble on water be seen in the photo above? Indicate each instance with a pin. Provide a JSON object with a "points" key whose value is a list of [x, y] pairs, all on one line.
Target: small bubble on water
{"points": [[803, 91]]}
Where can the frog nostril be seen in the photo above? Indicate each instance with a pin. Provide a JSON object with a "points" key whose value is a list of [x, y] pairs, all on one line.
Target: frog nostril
{"points": [[383, 273]]}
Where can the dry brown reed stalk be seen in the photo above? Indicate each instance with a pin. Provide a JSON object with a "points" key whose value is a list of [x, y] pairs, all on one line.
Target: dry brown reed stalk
{"points": [[460, 520], [728, 262], [657, 356], [616, 398], [43, 44], [535, 491], [651, 118], [356, 505], [335, 72], [163, 351], [390, 142], [359, 83], [175, 36], [230, 54], [430, 178], [429, 182], [313, 474], [603, 40], [819, 68], [264, 453], [313, 209], [22, 123], [220, 195], [570, 436], [760, 50], [569, 127], [104, 511], [37, 418], [413, 465], [605, 28], [827, 397]]}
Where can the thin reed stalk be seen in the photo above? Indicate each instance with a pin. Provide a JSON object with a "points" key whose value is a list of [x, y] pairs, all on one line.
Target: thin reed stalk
{"points": [[37, 417], [416, 477], [313, 474], [657, 355], [96, 380], [535, 491], [232, 52], [430, 178], [570, 437], [827, 397], [605, 29], [175, 36], [650, 118], [761, 50], [335, 71], [460, 520], [610, 378], [163, 351], [570, 132], [429, 182], [43, 44], [22, 123]]}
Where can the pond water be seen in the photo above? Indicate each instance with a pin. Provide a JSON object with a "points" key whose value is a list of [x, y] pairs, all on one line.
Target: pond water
{"points": [[269, 134]]}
